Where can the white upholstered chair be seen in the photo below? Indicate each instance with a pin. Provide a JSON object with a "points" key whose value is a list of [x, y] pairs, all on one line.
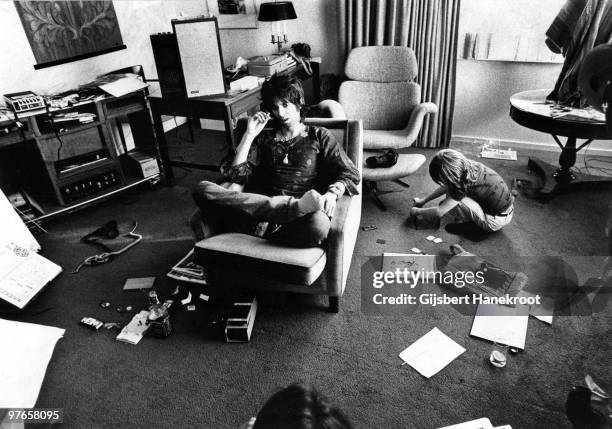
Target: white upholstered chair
{"points": [[382, 92], [243, 260]]}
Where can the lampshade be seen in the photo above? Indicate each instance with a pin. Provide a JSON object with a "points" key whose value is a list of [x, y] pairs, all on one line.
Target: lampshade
{"points": [[276, 11]]}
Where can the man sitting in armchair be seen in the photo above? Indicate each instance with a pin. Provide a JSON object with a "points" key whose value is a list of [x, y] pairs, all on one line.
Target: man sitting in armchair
{"points": [[281, 183]]}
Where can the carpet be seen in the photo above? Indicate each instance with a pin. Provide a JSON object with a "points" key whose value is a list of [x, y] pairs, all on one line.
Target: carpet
{"points": [[191, 380]]}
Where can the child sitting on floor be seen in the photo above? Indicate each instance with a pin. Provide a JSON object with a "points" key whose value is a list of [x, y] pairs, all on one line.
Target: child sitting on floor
{"points": [[474, 193]]}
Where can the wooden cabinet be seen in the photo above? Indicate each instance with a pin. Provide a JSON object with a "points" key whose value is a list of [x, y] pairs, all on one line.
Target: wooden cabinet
{"points": [[65, 164]]}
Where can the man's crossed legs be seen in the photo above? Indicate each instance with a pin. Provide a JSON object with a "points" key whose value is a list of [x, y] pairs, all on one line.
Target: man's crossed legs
{"points": [[303, 223]]}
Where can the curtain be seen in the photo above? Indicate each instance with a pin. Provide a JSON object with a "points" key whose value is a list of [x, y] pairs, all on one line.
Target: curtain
{"points": [[430, 28]]}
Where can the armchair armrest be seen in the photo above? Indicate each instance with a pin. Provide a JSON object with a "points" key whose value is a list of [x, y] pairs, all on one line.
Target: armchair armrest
{"points": [[416, 119], [341, 242]]}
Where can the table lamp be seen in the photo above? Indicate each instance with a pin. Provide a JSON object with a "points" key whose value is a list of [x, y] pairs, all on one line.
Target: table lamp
{"points": [[277, 13]]}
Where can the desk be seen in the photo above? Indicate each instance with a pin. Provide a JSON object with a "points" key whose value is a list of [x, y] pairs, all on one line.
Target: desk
{"points": [[530, 110], [225, 107]]}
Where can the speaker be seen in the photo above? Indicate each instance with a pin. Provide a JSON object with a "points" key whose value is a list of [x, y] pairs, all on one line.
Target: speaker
{"points": [[168, 64]]}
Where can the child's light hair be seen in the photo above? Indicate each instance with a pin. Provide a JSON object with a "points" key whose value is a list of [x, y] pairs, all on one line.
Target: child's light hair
{"points": [[451, 168]]}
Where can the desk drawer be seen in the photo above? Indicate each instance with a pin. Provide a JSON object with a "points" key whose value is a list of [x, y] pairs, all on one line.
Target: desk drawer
{"points": [[245, 104]]}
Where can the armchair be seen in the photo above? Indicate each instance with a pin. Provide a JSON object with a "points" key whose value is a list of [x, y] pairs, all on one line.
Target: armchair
{"points": [[381, 91], [240, 259]]}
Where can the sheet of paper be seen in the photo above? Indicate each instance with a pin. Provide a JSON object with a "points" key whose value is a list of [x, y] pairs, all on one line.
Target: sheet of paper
{"points": [[543, 312], [483, 423], [501, 324], [23, 273], [393, 261], [133, 332], [122, 86], [12, 228], [139, 283], [432, 352], [26, 351]]}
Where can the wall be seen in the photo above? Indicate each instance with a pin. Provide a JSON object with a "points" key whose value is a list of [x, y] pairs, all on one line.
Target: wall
{"points": [[140, 18], [484, 87]]}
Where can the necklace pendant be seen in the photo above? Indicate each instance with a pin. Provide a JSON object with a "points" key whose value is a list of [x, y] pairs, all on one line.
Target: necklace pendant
{"points": [[286, 159]]}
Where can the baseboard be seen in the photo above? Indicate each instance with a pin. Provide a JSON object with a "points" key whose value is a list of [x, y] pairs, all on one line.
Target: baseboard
{"points": [[531, 147]]}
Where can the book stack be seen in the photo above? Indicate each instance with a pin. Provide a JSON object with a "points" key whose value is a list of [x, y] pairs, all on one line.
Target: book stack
{"points": [[72, 118]]}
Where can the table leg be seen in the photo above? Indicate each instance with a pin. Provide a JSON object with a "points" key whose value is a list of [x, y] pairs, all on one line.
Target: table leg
{"points": [[557, 179], [163, 148], [230, 137]]}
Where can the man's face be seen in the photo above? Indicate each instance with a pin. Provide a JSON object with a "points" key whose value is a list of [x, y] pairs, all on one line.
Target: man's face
{"points": [[287, 113]]}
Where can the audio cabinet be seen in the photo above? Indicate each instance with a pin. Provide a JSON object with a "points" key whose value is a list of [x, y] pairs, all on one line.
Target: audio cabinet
{"points": [[71, 158]]}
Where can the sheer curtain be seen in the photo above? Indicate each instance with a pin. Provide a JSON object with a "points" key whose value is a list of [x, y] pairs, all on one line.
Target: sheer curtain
{"points": [[430, 28]]}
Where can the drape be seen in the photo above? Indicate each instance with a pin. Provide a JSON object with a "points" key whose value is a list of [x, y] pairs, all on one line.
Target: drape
{"points": [[430, 28]]}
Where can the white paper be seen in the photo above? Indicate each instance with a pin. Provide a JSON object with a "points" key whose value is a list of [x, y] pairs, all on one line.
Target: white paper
{"points": [[26, 351], [139, 283], [483, 423], [23, 273], [132, 332], [432, 352], [412, 262], [122, 86], [501, 324], [186, 300], [543, 312], [12, 228]]}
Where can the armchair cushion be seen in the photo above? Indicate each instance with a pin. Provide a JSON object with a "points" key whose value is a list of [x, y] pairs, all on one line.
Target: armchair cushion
{"points": [[407, 163], [254, 257]]}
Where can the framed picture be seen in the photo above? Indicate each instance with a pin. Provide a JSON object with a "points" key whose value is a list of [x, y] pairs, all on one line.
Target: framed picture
{"points": [[234, 13], [64, 31]]}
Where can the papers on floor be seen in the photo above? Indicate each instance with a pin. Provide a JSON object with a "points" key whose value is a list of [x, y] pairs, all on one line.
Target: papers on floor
{"points": [[501, 324], [23, 272], [493, 153], [483, 423], [139, 283], [432, 352], [134, 331], [543, 311], [412, 262], [26, 351], [187, 270]]}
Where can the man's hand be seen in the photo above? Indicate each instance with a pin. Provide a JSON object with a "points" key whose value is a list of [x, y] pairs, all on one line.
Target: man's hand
{"points": [[329, 203], [257, 122], [418, 202]]}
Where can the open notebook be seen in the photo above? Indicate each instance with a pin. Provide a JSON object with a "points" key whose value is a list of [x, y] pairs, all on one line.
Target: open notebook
{"points": [[23, 272]]}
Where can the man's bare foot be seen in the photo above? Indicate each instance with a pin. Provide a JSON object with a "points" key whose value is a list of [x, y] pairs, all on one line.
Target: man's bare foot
{"points": [[310, 202]]}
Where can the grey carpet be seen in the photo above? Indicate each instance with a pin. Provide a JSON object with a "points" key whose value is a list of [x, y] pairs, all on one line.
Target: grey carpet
{"points": [[190, 380]]}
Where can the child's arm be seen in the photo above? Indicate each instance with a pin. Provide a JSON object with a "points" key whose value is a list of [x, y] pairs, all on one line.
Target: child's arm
{"points": [[420, 202], [435, 212]]}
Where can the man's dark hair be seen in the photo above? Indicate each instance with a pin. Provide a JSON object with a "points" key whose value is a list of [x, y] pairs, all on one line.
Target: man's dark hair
{"points": [[300, 407], [287, 88]]}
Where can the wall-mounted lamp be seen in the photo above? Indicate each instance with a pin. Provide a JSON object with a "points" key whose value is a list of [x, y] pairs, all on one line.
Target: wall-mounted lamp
{"points": [[277, 13]]}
